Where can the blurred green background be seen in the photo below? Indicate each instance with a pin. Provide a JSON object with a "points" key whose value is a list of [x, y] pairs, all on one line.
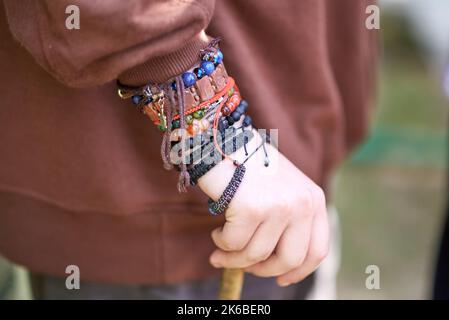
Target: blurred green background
{"points": [[391, 193]]}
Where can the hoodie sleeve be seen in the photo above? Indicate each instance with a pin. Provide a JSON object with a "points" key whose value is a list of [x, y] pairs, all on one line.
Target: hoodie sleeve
{"points": [[136, 41]]}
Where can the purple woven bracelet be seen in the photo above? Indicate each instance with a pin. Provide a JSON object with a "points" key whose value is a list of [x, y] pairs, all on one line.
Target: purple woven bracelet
{"points": [[219, 206]]}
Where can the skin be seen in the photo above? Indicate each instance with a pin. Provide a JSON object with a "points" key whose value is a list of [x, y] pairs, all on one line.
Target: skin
{"points": [[276, 225]]}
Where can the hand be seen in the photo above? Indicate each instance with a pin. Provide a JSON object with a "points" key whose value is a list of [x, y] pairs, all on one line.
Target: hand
{"points": [[276, 225]]}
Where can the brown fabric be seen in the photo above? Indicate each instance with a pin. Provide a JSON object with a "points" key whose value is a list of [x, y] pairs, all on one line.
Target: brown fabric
{"points": [[81, 179]]}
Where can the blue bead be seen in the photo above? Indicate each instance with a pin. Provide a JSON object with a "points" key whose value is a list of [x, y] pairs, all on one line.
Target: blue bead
{"points": [[136, 99], [208, 67], [173, 85], [247, 121], [244, 105], [240, 109], [218, 57], [189, 79], [199, 72], [236, 115]]}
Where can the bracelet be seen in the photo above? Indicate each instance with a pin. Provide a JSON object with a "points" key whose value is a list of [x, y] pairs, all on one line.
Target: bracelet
{"points": [[219, 206], [199, 170], [202, 98], [199, 143], [207, 153]]}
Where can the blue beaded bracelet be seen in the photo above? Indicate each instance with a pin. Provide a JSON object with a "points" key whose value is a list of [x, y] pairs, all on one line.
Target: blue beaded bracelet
{"points": [[209, 62]]}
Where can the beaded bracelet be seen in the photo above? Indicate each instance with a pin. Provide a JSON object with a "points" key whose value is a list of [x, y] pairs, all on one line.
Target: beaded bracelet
{"points": [[219, 206], [202, 87], [201, 98], [200, 169], [198, 145]]}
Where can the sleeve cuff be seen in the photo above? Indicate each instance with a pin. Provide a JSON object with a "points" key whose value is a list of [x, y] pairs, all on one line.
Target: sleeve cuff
{"points": [[163, 68]]}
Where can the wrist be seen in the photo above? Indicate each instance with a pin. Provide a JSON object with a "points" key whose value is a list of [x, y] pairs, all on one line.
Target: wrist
{"points": [[215, 180]]}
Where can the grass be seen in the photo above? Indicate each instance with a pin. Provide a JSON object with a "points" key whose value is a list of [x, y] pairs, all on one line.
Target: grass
{"points": [[391, 192]]}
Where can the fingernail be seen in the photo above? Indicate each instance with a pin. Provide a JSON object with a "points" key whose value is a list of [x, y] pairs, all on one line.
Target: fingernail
{"points": [[215, 262], [284, 284]]}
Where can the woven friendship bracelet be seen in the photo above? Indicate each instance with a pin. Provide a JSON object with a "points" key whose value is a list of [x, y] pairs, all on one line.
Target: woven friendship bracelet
{"points": [[199, 170], [228, 144], [219, 206]]}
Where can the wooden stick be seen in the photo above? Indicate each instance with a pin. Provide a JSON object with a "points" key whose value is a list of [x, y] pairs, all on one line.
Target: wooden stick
{"points": [[231, 284]]}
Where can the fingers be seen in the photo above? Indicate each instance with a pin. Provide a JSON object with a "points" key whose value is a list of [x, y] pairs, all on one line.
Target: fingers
{"points": [[236, 233], [289, 241], [318, 249], [258, 249], [291, 249]]}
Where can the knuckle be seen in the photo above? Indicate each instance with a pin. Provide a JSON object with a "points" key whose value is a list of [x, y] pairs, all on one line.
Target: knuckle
{"points": [[292, 261], [257, 255], [255, 213], [305, 199], [285, 209], [318, 195], [321, 253], [230, 244]]}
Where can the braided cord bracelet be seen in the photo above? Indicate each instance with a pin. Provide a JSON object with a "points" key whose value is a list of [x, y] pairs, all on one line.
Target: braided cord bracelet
{"points": [[220, 206], [199, 170], [206, 147]]}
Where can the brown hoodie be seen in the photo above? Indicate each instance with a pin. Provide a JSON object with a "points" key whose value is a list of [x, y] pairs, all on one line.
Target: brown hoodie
{"points": [[81, 179]]}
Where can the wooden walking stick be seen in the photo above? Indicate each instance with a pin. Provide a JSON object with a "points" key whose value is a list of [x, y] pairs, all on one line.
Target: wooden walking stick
{"points": [[231, 284]]}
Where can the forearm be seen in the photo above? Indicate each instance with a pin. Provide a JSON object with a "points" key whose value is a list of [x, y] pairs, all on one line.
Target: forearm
{"points": [[214, 182]]}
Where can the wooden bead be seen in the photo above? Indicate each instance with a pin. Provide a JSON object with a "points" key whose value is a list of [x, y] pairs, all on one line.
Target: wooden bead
{"points": [[219, 77], [226, 111], [189, 99], [204, 89], [233, 102]]}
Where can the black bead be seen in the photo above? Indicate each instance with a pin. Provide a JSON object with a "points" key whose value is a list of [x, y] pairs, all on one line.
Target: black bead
{"points": [[148, 100], [230, 120]]}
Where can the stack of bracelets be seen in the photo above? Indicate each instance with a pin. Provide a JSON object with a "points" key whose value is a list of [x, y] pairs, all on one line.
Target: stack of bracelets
{"points": [[203, 119]]}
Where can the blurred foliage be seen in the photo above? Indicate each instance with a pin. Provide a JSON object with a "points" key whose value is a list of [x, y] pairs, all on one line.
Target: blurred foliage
{"points": [[391, 192], [6, 279], [398, 41]]}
